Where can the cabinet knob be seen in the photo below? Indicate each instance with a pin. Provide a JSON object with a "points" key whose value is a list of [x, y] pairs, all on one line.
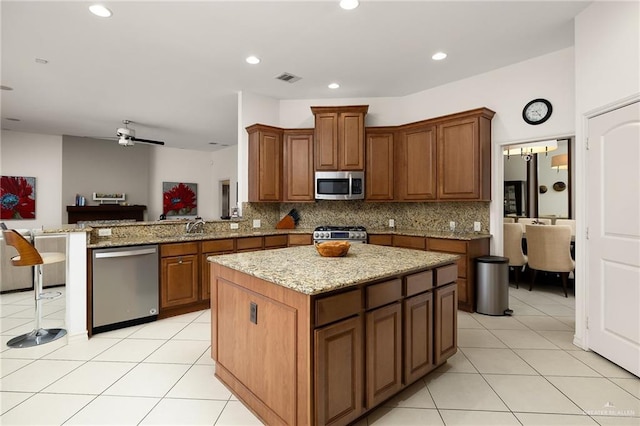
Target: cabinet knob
{"points": [[180, 260]]}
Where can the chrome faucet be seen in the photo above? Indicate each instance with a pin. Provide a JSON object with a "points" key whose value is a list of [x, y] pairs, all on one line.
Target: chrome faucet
{"points": [[195, 226]]}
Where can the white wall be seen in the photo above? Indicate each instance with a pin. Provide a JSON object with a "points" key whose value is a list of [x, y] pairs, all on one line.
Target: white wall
{"points": [[40, 156], [607, 63], [181, 165], [225, 167]]}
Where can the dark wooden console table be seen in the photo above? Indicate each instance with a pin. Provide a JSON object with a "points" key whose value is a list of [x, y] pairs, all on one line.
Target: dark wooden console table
{"points": [[105, 212]]}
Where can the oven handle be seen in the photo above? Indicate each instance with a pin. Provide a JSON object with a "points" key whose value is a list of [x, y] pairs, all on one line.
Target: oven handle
{"points": [[126, 253]]}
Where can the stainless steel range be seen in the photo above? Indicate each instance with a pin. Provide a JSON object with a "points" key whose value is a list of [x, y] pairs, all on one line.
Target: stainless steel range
{"points": [[353, 234]]}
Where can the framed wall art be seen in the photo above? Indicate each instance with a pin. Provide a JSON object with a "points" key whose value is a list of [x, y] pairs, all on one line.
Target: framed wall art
{"points": [[179, 199], [18, 197]]}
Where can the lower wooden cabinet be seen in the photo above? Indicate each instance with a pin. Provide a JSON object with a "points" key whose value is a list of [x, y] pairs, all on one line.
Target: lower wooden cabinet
{"points": [[339, 372], [418, 331], [384, 353], [212, 248], [445, 322], [179, 275], [381, 239], [300, 240]]}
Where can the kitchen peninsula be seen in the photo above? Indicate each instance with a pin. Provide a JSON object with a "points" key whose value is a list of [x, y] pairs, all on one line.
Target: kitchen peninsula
{"points": [[308, 340]]}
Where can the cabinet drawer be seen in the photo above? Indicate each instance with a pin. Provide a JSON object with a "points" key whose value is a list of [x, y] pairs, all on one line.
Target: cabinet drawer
{"points": [[275, 241], [300, 239], [418, 283], [214, 246], [334, 308], [383, 293], [452, 246], [178, 249], [381, 240], [249, 243], [407, 241], [446, 274]]}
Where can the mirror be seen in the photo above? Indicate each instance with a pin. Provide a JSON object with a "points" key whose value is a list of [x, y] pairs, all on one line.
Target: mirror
{"points": [[538, 184]]}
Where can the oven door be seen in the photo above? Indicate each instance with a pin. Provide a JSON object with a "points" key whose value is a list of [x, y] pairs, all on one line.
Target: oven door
{"points": [[339, 185]]}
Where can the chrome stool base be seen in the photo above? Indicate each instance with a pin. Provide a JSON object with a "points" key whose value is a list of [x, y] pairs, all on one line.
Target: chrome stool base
{"points": [[37, 337]]}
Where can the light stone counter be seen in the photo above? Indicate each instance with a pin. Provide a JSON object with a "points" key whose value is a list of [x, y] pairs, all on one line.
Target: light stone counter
{"points": [[463, 236], [304, 270]]}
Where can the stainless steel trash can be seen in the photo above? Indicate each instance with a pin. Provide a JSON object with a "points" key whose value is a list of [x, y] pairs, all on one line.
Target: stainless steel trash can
{"points": [[492, 293]]}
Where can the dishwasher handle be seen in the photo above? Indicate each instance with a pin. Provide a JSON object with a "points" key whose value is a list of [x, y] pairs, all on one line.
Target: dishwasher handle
{"points": [[125, 253]]}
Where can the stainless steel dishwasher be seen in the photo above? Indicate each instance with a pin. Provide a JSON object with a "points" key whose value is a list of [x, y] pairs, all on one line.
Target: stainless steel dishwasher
{"points": [[125, 287]]}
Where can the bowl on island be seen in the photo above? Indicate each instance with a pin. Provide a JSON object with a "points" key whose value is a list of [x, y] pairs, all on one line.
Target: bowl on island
{"points": [[333, 248]]}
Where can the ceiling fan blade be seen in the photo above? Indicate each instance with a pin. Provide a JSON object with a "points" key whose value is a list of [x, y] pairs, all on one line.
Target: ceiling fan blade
{"points": [[147, 141]]}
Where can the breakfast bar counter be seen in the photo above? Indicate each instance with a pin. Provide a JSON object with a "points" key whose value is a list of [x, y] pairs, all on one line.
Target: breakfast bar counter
{"points": [[308, 340]]}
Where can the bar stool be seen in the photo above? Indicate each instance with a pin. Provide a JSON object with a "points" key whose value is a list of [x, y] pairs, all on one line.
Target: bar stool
{"points": [[29, 256]]}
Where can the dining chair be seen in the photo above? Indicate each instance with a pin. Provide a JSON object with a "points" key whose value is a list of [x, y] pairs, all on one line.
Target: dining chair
{"points": [[507, 219], [513, 249], [524, 221], [568, 222], [549, 249], [28, 255]]}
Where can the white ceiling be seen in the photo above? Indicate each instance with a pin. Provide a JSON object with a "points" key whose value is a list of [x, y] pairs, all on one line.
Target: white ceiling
{"points": [[174, 68]]}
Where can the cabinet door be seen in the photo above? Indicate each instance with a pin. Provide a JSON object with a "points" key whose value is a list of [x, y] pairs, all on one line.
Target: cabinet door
{"points": [[265, 164], [459, 160], [418, 333], [205, 271], [379, 172], [381, 239], [446, 322], [298, 167], [338, 372], [326, 141], [179, 281], [351, 141], [416, 165], [384, 353]]}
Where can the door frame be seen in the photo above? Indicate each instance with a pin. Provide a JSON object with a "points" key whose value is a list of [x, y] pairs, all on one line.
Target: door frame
{"points": [[582, 255]]}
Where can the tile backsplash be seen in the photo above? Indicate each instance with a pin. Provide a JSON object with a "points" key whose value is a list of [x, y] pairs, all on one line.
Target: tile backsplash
{"points": [[428, 216]]}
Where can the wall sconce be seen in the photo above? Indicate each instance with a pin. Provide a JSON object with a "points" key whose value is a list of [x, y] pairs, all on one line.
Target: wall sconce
{"points": [[560, 162], [527, 150]]}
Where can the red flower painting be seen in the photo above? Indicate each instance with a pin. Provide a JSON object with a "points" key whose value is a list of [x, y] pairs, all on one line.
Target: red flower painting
{"points": [[179, 198], [18, 197]]}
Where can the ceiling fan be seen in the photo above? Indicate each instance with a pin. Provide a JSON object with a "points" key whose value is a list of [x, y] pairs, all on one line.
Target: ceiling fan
{"points": [[127, 136]]}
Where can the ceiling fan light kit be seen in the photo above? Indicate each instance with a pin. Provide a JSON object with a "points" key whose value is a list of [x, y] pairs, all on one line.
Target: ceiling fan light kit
{"points": [[127, 136]]}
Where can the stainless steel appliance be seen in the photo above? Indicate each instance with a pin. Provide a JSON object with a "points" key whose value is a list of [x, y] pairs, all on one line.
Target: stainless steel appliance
{"points": [[339, 185], [353, 234], [125, 287]]}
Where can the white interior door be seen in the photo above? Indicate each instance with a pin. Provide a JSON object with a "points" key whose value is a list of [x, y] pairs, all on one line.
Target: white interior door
{"points": [[613, 244]]}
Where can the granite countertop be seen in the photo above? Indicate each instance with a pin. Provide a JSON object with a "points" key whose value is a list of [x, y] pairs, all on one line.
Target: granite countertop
{"points": [[302, 269], [465, 236]]}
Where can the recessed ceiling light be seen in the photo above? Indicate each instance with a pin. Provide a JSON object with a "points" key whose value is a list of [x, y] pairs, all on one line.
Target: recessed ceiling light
{"points": [[333, 86], [253, 60], [439, 56], [349, 4], [100, 10], [6, 88]]}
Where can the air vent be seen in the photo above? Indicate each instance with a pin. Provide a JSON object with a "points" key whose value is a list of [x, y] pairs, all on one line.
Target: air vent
{"points": [[289, 78]]}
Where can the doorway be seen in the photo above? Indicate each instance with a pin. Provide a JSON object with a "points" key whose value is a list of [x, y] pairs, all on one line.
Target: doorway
{"points": [[225, 198]]}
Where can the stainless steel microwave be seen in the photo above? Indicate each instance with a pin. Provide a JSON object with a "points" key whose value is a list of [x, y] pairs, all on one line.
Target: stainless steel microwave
{"points": [[339, 185]]}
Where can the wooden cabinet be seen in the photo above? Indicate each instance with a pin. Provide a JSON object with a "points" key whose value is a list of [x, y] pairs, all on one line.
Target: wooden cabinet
{"points": [[265, 163], [381, 239], [384, 353], [468, 250], [179, 275], [249, 244], [298, 172], [300, 240], [212, 248], [339, 372], [380, 158], [464, 158], [339, 137], [445, 322], [275, 241], [409, 241], [418, 332], [415, 160]]}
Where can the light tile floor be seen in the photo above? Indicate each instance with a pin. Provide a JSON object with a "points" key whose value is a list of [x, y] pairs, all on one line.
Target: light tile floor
{"points": [[519, 370]]}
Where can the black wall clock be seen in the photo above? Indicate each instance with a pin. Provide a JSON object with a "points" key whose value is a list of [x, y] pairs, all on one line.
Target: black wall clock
{"points": [[537, 111]]}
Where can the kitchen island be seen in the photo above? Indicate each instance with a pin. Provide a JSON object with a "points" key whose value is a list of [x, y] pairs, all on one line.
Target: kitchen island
{"points": [[303, 339]]}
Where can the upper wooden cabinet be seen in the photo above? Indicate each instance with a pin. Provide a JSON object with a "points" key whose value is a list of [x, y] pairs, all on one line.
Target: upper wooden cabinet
{"points": [[464, 157], [416, 163], [339, 137], [298, 165], [379, 154], [265, 163]]}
